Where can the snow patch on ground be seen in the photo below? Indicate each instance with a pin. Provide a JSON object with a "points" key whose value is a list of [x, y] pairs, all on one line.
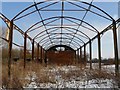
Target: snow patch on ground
{"points": [[74, 84], [71, 83]]}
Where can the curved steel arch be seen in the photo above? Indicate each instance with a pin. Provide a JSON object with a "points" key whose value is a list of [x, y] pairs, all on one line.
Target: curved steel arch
{"points": [[79, 31], [62, 17], [76, 29], [99, 48], [65, 38], [41, 22], [62, 27], [94, 7], [82, 26], [67, 35], [29, 8], [56, 39], [56, 44], [62, 42], [63, 34], [99, 9], [76, 33], [51, 48], [75, 39], [56, 2], [50, 45]]}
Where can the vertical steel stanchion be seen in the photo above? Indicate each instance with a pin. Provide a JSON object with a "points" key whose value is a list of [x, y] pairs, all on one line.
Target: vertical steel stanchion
{"points": [[10, 47], [115, 49], [85, 60], [80, 54], [90, 47], [38, 52], [25, 40], [41, 54], [33, 49], [99, 51]]}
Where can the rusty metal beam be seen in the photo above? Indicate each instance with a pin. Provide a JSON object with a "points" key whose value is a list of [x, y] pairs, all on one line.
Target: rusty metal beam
{"points": [[90, 48], [82, 20], [41, 54], [33, 49], [17, 18], [36, 7], [10, 48], [110, 18], [115, 49], [6, 20], [12, 42], [99, 50], [38, 52], [103, 31], [80, 54], [76, 55], [45, 60], [25, 41], [85, 60]]}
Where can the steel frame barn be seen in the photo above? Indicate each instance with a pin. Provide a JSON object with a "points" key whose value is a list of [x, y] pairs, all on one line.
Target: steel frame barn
{"points": [[72, 37]]}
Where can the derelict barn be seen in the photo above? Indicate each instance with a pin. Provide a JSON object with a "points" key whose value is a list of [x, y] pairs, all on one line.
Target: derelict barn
{"points": [[61, 31]]}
